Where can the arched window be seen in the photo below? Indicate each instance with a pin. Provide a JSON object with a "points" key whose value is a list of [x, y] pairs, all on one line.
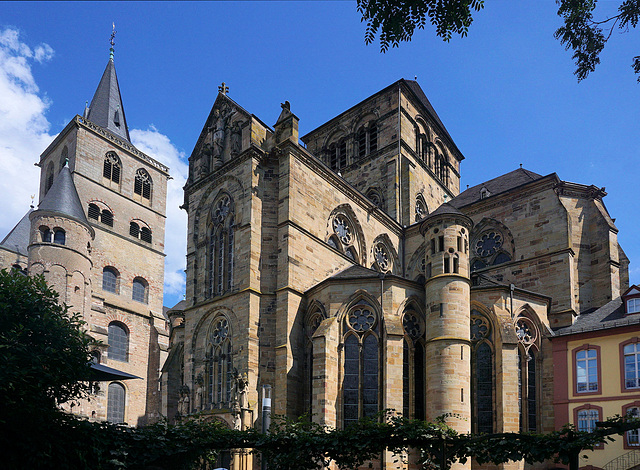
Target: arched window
{"points": [[48, 182], [489, 246], [142, 185], [311, 325], [367, 139], [528, 347], [413, 366], [95, 357], [145, 234], [110, 280], [421, 208], [64, 157], [45, 234], [116, 402], [118, 342], [221, 247], [361, 363], [337, 153], [106, 217], [482, 359], [111, 170], [93, 212], [343, 237], [141, 232], [59, 236], [139, 291], [220, 373], [382, 258], [134, 229], [375, 196]]}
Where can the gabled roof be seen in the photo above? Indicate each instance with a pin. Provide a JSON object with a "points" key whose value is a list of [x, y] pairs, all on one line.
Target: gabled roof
{"points": [[417, 90], [495, 186], [18, 238], [610, 315], [106, 109], [62, 198], [356, 272]]}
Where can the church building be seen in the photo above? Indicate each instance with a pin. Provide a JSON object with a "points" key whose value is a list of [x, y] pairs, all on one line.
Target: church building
{"points": [[97, 236], [348, 273]]}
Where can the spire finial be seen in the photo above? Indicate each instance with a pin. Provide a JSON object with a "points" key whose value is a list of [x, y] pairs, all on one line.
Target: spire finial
{"points": [[33, 196], [112, 40], [224, 89], [521, 165]]}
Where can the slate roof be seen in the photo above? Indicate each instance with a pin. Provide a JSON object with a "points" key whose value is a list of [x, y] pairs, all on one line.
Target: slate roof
{"points": [[417, 90], [17, 239], [495, 186], [611, 315], [63, 197], [445, 208], [106, 101]]}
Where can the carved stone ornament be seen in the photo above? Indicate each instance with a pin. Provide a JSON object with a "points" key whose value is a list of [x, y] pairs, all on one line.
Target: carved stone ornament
{"points": [[382, 257], [526, 332], [479, 328], [342, 229], [314, 323], [361, 319], [412, 325], [220, 331], [222, 209]]}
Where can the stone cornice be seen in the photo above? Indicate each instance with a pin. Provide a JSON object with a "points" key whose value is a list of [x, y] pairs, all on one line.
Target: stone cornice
{"points": [[126, 146]]}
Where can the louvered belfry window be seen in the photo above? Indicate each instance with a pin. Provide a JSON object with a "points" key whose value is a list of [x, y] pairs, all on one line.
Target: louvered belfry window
{"points": [[112, 167], [142, 184]]}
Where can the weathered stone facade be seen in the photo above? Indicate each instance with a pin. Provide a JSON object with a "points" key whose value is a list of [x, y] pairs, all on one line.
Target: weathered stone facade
{"points": [[351, 275]]}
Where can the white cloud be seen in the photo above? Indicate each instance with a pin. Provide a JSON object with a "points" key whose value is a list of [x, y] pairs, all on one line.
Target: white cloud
{"points": [[158, 146], [24, 128]]}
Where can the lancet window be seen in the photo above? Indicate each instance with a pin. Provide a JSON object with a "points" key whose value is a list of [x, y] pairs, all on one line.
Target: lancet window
{"points": [[482, 373], [413, 365], [220, 372], [111, 169], [528, 364], [311, 325], [337, 155], [221, 247], [367, 139], [142, 185], [360, 386]]}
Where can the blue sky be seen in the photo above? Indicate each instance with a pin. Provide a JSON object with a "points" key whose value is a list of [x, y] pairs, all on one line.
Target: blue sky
{"points": [[506, 93]]}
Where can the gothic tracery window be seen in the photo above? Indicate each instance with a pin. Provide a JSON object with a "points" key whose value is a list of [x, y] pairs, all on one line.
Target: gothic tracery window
{"points": [[528, 338], [489, 249], [421, 208], [220, 372], [382, 257], [221, 247], [312, 324], [413, 366], [343, 237], [111, 169], [360, 391], [482, 366], [142, 185]]}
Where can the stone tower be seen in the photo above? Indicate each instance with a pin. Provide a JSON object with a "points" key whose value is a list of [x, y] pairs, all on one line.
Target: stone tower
{"points": [[447, 295], [98, 237]]}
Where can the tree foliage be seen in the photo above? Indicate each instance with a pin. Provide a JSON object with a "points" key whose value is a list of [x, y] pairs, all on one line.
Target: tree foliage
{"points": [[44, 351], [395, 21]]}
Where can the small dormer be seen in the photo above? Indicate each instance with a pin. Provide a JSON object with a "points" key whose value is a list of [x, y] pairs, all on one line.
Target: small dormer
{"points": [[484, 193], [631, 300]]}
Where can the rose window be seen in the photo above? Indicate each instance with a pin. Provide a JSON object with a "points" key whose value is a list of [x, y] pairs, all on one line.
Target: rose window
{"points": [[222, 209], [411, 324], [220, 331], [342, 229], [382, 257], [526, 332], [361, 319], [479, 328], [488, 244]]}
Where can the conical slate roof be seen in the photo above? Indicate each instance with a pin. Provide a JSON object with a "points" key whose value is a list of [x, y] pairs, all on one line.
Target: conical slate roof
{"points": [[445, 208], [18, 238], [63, 198], [106, 109]]}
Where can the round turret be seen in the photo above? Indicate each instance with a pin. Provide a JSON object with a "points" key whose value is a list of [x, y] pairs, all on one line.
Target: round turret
{"points": [[447, 290]]}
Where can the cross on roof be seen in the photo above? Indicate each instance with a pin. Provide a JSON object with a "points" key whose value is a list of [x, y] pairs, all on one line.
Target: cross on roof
{"points": [[224, 89]]}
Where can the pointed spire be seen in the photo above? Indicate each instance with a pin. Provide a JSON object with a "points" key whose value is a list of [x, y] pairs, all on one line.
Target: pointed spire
{"points": [[62, 198], [106, 109]]}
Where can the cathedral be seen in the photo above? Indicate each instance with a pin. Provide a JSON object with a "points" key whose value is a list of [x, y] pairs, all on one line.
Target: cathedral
{"points": [[337, 274], [342, 273]]}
